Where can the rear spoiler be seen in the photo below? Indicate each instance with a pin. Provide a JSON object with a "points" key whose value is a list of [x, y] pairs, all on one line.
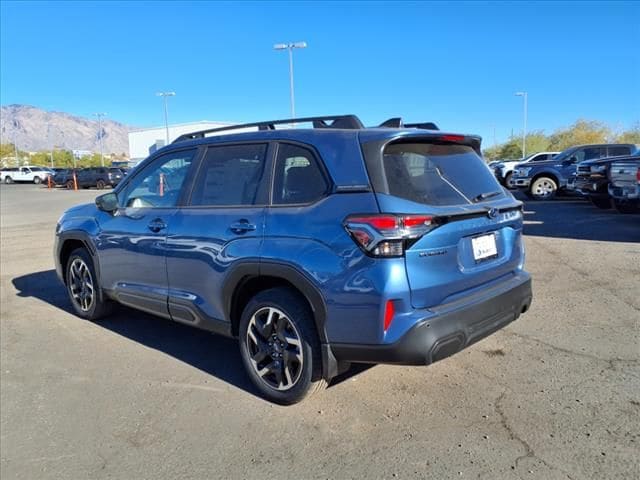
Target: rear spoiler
{"points": [[397, 122]]}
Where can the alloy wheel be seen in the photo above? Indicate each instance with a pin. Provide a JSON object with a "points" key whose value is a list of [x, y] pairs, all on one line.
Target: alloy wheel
{"points": [[275, 348], [81, 285]]}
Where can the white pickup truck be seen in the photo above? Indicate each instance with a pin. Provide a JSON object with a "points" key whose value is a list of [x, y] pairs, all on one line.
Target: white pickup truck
{"points": [[27, 173]]}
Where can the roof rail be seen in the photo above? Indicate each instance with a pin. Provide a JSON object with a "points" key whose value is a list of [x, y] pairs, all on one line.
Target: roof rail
{"points": [[396, 122], [337, 121]]}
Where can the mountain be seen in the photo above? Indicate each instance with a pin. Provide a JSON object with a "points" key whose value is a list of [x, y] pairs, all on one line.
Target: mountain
{"points": [[35, 129]]}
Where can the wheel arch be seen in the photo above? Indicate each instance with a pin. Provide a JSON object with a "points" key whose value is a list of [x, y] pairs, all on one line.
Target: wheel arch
{"points": [[69, 241], [249, 278], [549, 174]]}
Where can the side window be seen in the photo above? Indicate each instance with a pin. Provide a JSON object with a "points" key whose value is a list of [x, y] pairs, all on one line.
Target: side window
{"points": [[618, 151], [591, 153], [160, 183], [588, 153], [229, 176], [298, 178]]}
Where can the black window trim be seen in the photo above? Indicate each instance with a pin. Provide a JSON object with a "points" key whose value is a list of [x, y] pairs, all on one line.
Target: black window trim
{"points": [[262, 193], [321, 166]]}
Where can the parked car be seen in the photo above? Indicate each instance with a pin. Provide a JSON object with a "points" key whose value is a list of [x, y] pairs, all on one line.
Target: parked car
{"points": [[624, 184], [314, 247], [503, 170], [592, 181], [543, 180], [99, 177], [64, 177], [28, 173]]}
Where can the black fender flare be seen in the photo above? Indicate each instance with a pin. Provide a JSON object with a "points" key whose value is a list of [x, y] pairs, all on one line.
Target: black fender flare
{"points": [[302, 282], [87, 241]]}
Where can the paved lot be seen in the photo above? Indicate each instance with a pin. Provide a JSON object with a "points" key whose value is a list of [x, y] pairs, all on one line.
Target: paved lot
{"points": [[556, 395]]}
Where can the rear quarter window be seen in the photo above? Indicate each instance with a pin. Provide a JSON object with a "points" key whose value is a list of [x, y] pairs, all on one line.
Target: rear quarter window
{"points": [[438, 174]]}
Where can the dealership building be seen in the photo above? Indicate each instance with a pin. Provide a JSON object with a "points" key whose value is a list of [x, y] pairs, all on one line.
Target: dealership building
{"points": [[145, 141]]}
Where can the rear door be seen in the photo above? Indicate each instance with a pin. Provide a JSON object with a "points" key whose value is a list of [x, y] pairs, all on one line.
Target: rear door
{"points": [[83, 177], [220, 225], [478, 239]]}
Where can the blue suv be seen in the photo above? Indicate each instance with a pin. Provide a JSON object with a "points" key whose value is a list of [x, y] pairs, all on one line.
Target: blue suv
{"points": [[315, 247]]}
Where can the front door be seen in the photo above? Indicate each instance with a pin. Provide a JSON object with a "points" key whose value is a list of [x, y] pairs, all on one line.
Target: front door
{"points": [[587, 153], [23, 175], [220, 226], [131, 242]]}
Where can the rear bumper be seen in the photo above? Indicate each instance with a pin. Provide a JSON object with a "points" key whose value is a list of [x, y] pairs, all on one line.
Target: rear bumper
{"points": [[626, 193], [449, 329]]}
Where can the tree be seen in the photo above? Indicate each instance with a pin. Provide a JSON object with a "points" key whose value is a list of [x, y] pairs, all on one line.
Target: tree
{"points": [[630, 136], [581, 132], [537, 141]]}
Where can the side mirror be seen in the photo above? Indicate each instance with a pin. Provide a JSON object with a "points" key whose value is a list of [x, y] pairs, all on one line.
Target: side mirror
{"points": [[107, 202], [571, 160]]}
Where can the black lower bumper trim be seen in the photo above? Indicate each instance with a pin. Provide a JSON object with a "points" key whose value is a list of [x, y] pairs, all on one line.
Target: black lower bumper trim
{"points": [[438, 337]]}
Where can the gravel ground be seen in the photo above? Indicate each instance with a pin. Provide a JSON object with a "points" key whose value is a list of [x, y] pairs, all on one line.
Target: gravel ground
{"points": [[556, 395]]}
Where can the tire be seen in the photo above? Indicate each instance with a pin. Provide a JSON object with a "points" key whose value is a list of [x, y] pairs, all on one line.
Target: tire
{"points": [[507, 181], [100, 185], [8, 180], [270, 319], [69, 184], [600, 202], [543, 188], [626, 208], [86, 302], [37, 180]]}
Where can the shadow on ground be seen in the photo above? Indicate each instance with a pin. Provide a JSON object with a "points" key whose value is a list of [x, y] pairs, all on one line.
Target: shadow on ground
{"points": [[216, 355], [570, 217]]}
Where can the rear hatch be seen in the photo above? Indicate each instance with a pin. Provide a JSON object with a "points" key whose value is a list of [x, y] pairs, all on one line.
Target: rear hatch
{"points": [[625, 173], [115, 175], [476, 238]]}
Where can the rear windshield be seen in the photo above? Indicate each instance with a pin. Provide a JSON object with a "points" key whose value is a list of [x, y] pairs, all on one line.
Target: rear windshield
{"points": [[436, 174]]}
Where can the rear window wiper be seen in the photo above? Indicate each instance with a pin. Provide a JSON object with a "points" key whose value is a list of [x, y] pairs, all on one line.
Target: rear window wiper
{"points": [[484, 196]]}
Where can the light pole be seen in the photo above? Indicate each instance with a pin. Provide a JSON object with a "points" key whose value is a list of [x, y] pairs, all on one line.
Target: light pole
{"points": [[290, 47], [50, 142], [100, 115], [15, 145], [524, 133], [164, 96]]}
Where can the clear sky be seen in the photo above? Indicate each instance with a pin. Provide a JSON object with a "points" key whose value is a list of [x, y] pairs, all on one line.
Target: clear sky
{"points": [[457, 64]]}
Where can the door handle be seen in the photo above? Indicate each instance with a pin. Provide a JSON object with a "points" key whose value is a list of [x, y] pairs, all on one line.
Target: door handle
{"points": [[156, 225], [242, 226]]}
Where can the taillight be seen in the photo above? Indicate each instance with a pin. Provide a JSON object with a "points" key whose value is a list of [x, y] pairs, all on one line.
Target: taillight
{"points": [[638, 175], [451, 138], [388, 235]]}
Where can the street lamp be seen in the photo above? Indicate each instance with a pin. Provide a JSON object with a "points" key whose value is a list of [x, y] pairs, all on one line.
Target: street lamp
{"points": [[524, 133], [164, 96], [50, 142], [100, 115], [290, 47]]}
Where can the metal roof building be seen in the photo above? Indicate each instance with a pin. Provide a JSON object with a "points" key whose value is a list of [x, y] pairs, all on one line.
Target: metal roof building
{"points": [[145, 141]]}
